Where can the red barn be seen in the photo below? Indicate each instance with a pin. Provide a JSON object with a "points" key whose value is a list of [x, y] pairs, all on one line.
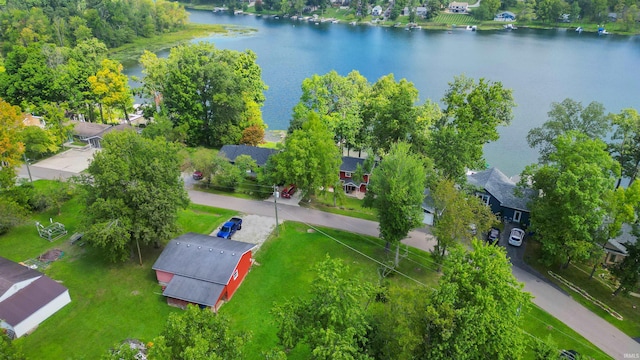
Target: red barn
{"points": [[202, 270]]}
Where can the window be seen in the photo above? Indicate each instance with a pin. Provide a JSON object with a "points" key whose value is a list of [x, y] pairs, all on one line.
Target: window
{"points": [[347, 174], [235, 274], [516, 216], [485, 198]]}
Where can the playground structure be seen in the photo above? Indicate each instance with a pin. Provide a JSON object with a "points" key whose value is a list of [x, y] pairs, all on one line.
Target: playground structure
{"points": [[52, 232]]}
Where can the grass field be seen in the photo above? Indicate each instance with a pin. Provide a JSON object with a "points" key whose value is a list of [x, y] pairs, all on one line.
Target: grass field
{"points": [[112, 302], [349, 206], [455, 19], [627, 306]]}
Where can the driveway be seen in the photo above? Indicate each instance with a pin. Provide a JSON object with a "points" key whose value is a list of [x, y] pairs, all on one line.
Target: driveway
{"points": [[60, 166]]}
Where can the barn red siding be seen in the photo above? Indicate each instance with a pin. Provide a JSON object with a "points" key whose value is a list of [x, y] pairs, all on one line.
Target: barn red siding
{"points": [[163, 277], [243, 268]]}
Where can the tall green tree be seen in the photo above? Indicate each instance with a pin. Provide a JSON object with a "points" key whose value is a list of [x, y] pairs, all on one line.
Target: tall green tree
{"points": [[475, 312], [568, 115], [310, 159], [11, 146], [37, 142], [455, 213], [332, 319], [134, 193], [473, 112], [208, 90], [197, 334], [625, 147], [396, 191], [573, 185]]}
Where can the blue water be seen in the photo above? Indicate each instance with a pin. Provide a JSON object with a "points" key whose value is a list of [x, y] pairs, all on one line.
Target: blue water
{"points": [[541, 66]]}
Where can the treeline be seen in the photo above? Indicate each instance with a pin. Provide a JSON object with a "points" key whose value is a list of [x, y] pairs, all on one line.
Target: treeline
{"points": [[68, 22]]}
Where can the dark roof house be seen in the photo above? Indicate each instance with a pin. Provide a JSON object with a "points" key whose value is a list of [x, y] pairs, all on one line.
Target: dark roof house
{"points": [[260, 155], [92, 133], [498, 191], [27, 298], [348, 167], [201, 269], [616, 248]]}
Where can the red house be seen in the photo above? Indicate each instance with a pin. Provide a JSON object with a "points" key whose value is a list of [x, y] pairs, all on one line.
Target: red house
{"points": [[202, 270], [347, 169]]}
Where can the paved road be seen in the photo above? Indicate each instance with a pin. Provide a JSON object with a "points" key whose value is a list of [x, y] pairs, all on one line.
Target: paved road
{"points": [[599, 332]]}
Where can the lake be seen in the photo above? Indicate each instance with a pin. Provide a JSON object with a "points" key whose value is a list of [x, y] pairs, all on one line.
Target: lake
{"points": [[541, 66]]}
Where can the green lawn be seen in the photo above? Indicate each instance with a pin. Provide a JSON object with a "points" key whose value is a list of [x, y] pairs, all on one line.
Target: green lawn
{"points": [[113, 302], [349, 206], [454, 19], [579, 275]]}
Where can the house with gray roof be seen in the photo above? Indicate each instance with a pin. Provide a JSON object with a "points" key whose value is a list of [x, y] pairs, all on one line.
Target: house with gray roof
{"points": [[616, 248], [348, 167], [202, 270], [93, 133], [27, 298], [260, 155], [498, 191]]}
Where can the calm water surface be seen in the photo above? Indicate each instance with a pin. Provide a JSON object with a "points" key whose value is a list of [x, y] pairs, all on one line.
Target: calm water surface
{"points": [[541, 66]]}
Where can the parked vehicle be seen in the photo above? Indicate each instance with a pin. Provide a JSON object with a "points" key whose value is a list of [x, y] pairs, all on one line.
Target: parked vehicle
{"points": [[569, 355], [516, 237], [493, 236], [288, 191], [197, 175], [229, 228]]}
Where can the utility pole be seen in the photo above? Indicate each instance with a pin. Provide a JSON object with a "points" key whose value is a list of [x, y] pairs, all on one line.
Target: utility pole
{"points": [[275, 203], [26, 161]]}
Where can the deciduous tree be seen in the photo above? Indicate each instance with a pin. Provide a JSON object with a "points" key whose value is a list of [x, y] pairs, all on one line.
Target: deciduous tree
{"points": [[396, 191], [473, 111], [627, 272], [625, 147], [197, 334], [134, 194], [568, 115], [111, 87], [310, 160], [11, 146], [332, 319], [572, 187]]}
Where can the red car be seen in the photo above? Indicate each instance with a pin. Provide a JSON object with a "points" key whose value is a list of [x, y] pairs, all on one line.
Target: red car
{"points": [[197, 175], [288, 191]]}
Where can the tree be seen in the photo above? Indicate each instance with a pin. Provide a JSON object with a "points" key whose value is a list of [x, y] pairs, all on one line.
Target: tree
{"points": [[208, 90], [487, 9], [455, 212], [392, 115], [11, 147], [37, 142], [134, 194], [396, 191], [627, 272], [337, 100], [569, 115], [9, 351], [573, 185], [11, 214], [111, 87], [310, 159], [626, 146], [332, 319], [475, 312], [470, 120], [550, 10], [197, 334]]}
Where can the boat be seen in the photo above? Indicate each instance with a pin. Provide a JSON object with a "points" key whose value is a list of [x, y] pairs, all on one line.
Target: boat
{"points": [[335, 21], [510, 27], [353, 23], [579, 29], [602, 31]]}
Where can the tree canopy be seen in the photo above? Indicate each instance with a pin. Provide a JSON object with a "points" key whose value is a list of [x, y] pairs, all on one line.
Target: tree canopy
{"points": [[396, 191], [625, 146], [208, 90], [573, 185], [133, 195], [11, 147]]}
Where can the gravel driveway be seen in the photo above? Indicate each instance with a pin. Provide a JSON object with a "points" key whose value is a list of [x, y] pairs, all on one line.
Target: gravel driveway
{"points": [[255, 229]]}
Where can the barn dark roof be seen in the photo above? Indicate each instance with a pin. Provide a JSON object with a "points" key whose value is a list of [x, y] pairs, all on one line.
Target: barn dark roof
{"points": [[350, 163], [12, 273], [501, 187], [30, 299], [193, 290], [260, 155], [202, 257]]}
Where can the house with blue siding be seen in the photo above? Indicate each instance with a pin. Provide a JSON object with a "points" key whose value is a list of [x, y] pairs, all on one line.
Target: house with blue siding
{"points": [[498, 191]]}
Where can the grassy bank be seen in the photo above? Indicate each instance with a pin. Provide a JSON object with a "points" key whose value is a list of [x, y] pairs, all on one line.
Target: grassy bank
{"points": [[132, 51], [578, 274]]}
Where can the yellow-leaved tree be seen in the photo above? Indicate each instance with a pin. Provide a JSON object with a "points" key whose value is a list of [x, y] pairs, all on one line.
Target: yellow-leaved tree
{"points": [[11, 148]]}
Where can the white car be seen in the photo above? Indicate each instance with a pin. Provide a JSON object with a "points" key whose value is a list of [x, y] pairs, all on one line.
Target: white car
{"points": [[516, 236]]}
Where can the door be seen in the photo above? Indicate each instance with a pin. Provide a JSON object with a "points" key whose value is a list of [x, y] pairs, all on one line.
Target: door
{"points": [[516, 216]]}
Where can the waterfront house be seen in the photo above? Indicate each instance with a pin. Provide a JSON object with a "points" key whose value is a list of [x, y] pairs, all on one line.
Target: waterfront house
{"points": [[260, 155], [498, 191], [347, 169], [421, 11], [377, 11], [616, 249], [458, 7], [505, 16]]}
